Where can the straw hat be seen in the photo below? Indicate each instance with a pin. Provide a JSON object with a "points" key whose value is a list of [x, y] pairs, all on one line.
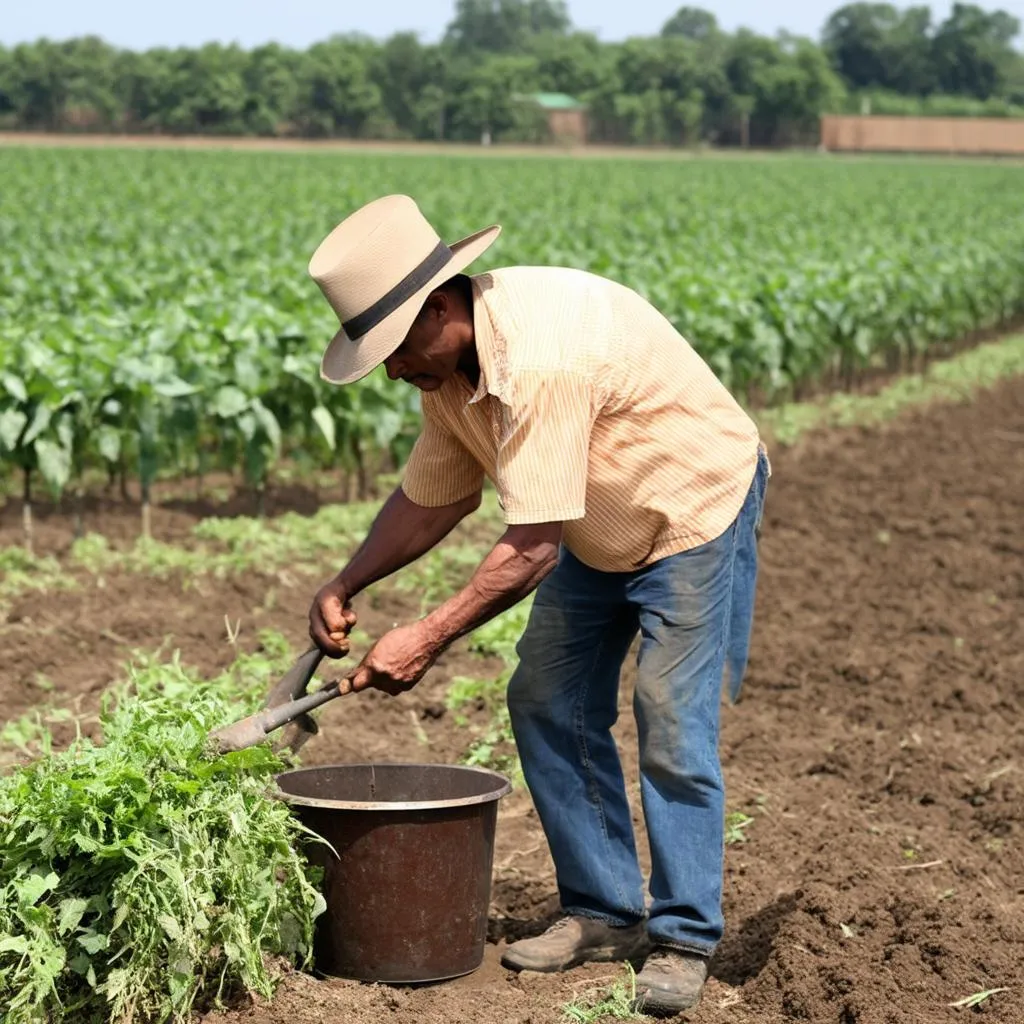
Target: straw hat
{"points": [[376, 269]]}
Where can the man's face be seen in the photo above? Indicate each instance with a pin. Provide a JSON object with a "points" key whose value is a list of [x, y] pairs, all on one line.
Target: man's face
{"points": [[429, 354]]}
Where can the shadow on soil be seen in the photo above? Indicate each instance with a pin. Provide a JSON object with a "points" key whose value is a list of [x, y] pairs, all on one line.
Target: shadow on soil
{"points": [[744, 952], [512, 929]]}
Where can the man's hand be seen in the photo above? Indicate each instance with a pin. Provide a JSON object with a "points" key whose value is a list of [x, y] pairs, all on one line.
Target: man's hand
{"points": [[331, 619], [395, 663]]}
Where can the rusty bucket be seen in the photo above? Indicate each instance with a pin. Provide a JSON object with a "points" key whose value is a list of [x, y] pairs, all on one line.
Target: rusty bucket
{"points": [[409, 890]]}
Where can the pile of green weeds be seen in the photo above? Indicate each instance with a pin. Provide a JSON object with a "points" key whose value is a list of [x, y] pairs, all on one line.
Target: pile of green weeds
{"points": [[142, 877]]}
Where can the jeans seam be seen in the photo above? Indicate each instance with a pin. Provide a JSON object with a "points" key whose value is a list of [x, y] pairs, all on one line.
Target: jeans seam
{"points": [[723, 640], [681, 947], [609, 919], [760, 475], [585, 758]]}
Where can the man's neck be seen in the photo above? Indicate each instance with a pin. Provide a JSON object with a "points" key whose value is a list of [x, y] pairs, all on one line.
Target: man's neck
{"points": [[469, 361], [469, 366]]}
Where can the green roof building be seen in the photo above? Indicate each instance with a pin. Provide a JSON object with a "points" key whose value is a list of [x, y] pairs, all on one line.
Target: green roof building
{"points": [[565, 116]]}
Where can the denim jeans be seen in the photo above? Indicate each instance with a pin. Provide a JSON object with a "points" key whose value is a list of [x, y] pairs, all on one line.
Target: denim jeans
{"points": [[694, 612]]}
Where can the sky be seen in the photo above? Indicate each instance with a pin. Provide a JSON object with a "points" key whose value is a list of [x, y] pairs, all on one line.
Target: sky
{"points": [[130, 23]]}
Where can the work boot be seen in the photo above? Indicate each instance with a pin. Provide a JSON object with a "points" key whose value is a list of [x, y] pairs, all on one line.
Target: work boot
{"points": [[576, 940], [670, 982]]}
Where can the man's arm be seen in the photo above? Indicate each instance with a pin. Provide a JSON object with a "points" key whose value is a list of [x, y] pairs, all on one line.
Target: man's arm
{"points": [[401, 533], [514, 568], [516, 565]]}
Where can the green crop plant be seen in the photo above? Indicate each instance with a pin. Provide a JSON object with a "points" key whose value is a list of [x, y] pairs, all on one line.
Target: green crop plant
{"points": [[736, 825], [37, 424], [20, 570], [144, 877]]}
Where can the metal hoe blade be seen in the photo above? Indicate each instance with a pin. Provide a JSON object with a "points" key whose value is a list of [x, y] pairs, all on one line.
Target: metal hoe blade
{"points": [[286, 704]]}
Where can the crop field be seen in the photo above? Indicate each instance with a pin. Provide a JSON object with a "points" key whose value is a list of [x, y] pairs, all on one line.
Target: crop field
{"points": [[155, 313], [192, 482]]}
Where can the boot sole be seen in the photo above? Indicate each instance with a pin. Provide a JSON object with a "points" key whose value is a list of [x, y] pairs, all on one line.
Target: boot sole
{"points": [[660, 1004], [597, 956]]}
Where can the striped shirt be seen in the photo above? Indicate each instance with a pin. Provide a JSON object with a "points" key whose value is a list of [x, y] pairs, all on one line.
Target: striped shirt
{"points": [[591, 410]]}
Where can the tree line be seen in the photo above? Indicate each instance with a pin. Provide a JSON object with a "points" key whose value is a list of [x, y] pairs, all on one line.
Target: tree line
{"points": [[692, 82]]}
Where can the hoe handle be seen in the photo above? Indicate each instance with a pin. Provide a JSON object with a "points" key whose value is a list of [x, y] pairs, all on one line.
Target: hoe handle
{"points": [[274, 718]]}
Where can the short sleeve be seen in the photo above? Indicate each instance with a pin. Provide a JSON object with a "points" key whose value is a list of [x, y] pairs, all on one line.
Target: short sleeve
{"points": [[440, 470], [541, 471]]}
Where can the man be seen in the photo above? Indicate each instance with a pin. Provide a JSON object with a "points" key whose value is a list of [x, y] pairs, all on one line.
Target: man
{"points": [[632, 486]]}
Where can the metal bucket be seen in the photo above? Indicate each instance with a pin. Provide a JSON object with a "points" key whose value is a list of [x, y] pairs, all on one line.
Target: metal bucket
{"points": [[410, 888]]}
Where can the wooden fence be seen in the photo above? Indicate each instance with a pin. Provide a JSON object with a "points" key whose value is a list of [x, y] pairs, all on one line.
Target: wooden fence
{"points": [[880, 133]]}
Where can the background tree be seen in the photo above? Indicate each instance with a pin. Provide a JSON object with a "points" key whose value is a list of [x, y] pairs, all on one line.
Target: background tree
{"points": [[271, 81], [505, 25], [691, 22], [337, 95], [973, 51], [858, 39], [876, 45], [692, 82], [8, 100]]}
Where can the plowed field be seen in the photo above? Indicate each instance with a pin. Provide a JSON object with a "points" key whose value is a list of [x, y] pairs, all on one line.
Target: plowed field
{"points": [[878, 746]]}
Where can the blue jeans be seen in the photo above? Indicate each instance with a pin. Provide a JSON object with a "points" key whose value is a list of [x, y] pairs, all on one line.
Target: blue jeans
{"points": [[694, 613]]}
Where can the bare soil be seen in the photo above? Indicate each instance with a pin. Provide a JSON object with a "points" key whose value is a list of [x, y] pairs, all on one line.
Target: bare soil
{"points": [[254, 143], [877, 746], [572, 150]]}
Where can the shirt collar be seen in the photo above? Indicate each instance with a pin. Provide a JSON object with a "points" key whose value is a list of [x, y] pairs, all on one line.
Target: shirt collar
{"points": [[490, 347]]}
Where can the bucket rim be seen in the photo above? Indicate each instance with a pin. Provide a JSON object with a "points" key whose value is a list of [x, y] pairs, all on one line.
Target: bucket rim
{"points": [[393, 805]]}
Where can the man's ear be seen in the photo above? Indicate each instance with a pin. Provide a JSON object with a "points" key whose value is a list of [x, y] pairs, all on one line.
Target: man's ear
{"points": [[438, 304]]}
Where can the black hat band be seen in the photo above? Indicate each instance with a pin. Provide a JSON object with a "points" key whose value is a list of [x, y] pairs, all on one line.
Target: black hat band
{"points": [[365, 322]]}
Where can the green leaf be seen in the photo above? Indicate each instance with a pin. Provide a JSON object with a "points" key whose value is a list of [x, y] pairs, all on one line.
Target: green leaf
{"points": [[120, 916], [71, 912], [247, 424], [14, 944], [12, 423], [40, 421], [108, 442], [66, 432], [14, 386], [173, 387], [325, 421], [319, 905], [93, 942], [268, 421], [170, 926], [117, 982], [34, 885], [292, 365], [387, 426], [229, 402], [80, 964], [54, 463]]}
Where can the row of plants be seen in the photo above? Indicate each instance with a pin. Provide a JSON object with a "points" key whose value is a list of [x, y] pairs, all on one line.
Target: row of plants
{"points": [[156, 316]]}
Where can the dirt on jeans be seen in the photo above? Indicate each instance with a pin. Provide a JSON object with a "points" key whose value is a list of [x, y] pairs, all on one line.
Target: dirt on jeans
{"points": [[877, 748]]}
